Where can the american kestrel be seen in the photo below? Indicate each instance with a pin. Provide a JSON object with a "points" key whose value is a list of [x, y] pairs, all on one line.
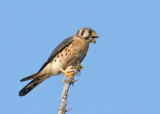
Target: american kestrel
{"points": [[69, 53]]}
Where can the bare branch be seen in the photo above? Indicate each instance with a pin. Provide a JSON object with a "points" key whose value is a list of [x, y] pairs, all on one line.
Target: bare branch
{"points": [[67, 83]]}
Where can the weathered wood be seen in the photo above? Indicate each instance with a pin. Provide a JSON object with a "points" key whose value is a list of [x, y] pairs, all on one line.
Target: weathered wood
{"points": [[67, 83]]}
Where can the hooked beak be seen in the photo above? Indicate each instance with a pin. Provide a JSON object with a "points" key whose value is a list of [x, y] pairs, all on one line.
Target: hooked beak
{"points": [[93, 38]]}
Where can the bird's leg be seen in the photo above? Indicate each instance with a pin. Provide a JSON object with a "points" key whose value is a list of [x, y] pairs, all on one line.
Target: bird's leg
{"points": [[79, 67], [69, 71]]}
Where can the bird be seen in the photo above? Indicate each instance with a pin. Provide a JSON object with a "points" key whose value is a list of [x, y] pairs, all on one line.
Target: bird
{"points": [[67, 55]]}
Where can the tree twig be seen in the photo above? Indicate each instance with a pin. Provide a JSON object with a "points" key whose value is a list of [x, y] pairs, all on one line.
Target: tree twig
{"points": [[67, 83]]}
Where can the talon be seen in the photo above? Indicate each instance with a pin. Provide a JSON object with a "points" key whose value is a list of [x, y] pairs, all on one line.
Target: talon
{"points": [[69, 72], [79, 67], [70, 75]]}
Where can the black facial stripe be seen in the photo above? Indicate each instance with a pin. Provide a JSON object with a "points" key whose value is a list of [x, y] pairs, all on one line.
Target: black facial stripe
{"points": [[87, 38], [82, 32]]}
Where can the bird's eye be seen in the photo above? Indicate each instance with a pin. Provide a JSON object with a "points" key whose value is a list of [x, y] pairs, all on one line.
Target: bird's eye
{"points": [[90, 32]]}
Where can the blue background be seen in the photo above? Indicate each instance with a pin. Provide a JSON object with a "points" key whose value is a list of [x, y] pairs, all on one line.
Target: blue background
{"points": [[122, 70]]}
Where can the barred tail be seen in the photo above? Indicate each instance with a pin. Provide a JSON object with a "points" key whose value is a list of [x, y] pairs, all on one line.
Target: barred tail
{"points": [[35, 82]]}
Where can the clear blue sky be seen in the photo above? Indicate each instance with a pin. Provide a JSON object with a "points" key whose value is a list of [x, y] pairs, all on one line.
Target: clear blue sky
{"points": [[122, 70]]}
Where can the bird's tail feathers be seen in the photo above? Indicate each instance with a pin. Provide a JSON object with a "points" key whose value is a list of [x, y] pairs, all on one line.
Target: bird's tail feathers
{"points": [[35, 82], [29, 77]]}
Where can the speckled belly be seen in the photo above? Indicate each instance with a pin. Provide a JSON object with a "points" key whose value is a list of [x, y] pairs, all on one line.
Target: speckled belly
{"points": [[69, 56]]}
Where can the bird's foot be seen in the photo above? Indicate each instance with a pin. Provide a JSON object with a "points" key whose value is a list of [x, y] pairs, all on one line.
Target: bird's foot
{"points": [[69, 72], [70, 75], [79, 67]]}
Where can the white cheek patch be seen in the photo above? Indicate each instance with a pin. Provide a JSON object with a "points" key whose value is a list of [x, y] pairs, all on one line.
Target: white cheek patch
{"points": [[86, 34]]}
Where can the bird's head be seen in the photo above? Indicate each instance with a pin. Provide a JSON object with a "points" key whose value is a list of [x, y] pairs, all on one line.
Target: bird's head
{"points": [[87, 34]]}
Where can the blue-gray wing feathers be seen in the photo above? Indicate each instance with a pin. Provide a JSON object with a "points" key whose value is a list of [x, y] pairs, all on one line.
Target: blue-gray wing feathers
{"points": [[58, 49]]}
